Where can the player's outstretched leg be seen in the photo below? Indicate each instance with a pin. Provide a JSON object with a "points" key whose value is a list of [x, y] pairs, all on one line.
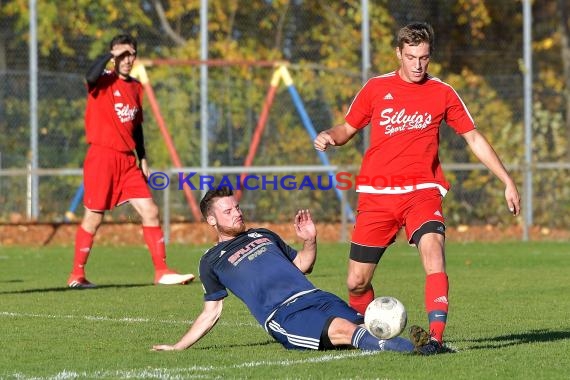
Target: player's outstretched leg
{"points": [[362, 339]]}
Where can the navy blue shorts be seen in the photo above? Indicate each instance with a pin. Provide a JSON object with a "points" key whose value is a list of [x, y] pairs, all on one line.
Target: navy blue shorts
{"points": [[300, 323]]}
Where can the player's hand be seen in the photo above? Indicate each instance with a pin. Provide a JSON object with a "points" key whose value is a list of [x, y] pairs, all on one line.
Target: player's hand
{"points": [[322, 141], [513, 199], [164, 347], [123, 49], [304, 226]]}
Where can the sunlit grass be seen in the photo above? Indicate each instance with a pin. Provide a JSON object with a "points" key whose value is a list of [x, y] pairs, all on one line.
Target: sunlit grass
{"points": [[508, 318]]}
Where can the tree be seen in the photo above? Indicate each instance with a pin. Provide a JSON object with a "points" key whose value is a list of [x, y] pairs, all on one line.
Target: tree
{"points": [[564, 30], [478, 50]]}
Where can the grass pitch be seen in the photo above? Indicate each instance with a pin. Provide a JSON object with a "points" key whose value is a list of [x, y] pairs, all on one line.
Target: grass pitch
{"points": [[509, 318]]}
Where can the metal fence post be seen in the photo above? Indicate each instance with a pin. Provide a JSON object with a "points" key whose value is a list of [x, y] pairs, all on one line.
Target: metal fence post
{"points": [[166, 214]]}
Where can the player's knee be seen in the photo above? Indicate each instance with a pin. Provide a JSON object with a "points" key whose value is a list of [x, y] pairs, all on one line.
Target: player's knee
{"points": [[363, 262], [358, 283], [91, 221], [150, 213]]}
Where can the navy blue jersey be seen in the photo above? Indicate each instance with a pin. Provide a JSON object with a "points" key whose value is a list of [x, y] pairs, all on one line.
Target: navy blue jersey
{"points": [[257, 267]]}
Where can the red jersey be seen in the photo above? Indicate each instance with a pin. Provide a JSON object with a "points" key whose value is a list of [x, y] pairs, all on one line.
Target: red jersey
{"points": [[114, 108], [404, 140]]}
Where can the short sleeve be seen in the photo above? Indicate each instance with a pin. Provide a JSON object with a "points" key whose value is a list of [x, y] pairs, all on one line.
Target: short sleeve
{"points": [[457, 115], [359, 113], [213, 289]]}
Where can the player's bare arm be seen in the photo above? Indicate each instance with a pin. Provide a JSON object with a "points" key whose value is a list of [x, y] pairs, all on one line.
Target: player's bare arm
{"points": [[338, 135], [487, 155], [203, 324], [306, 231]]}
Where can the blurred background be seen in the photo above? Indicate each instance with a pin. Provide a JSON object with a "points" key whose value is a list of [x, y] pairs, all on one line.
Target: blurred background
{"points": [[210, 66]]}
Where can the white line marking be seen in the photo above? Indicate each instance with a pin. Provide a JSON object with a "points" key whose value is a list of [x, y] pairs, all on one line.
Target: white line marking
{"points": [[164, 373], [189, 372], [98, 318]]}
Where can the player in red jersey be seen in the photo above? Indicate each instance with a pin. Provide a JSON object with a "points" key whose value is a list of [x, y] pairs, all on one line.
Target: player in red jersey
{"points": [[112, 176], [401, 182]]}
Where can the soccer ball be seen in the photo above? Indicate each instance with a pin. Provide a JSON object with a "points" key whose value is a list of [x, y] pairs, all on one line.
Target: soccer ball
{"points": [[385, 317]]}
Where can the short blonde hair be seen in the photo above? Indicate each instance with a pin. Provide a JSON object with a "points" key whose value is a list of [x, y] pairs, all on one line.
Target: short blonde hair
{"points": [[414, 34]]}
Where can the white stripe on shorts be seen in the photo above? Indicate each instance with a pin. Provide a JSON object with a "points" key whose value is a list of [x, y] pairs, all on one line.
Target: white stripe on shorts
{"points": [[300, 341]]}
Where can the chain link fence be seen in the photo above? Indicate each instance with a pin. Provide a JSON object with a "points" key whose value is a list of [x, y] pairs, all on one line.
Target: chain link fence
{"points": [[492, 89]]}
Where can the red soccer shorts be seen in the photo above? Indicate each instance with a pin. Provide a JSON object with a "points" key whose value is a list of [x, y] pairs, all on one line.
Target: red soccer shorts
{"points": [[380, 216], [111, 178]]}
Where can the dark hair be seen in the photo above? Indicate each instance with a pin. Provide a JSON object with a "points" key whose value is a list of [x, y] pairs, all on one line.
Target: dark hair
{"points": [[414, 34], [211, 196], [123, 39]]}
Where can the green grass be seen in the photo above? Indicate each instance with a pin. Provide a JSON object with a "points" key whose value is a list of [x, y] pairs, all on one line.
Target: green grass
{"points": [[509, 318]]}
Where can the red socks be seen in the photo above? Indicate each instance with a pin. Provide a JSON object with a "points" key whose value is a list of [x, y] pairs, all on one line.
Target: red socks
{"points": [[83, 244], [436, 292], [154, 239], [359, 302]]}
